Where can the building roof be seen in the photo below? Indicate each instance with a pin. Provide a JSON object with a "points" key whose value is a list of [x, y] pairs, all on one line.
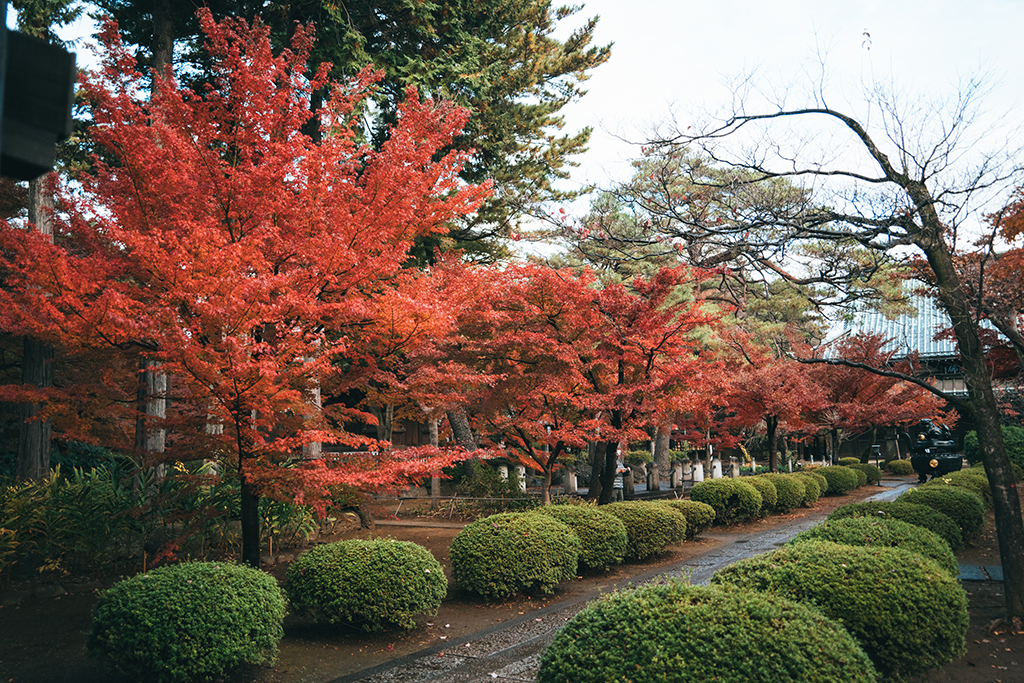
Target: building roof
{"points": [[906, 333]]}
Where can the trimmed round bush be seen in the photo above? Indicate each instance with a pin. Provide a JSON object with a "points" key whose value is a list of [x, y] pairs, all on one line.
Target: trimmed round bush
{"points": [[846, 462], [734, 500], [699, 516], [368, 584], [187, 622], [676, 632], [862, 477], [790, 490], [603, 537], [651, 527], [812, 487], [908, 614], [840, 479], [889, 533], [873, 474], [921, 515], [900, 467], [974, 480], [769, 494], [514, 552], [962, 506], [820, 478]]}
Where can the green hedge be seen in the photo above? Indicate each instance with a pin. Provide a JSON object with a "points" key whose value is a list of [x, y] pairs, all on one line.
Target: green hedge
{"points": [[187, 622], [846, 462], [676, 632], [974, 480], [908, 614], [651, 527], [812, 487], [734, 500], [921, 515], [1013, 441], [603, 537], [840, 479], [514, 552], [818, 477], [699, 516], [791, 492], [368, 584], [889, 533], [872, 473], [899, 467], [769, 494], [962, 506]]}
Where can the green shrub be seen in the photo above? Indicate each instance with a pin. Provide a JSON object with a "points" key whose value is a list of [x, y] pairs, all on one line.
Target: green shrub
{"points": [[369, 584], [187, 622], [840, 479], [1013, 441], [846, 462], [812, 487], [921, 515], [820, 478], [514, 552], [769, 494], [603, 537], [642, 456], [651, 527], [734, 500], [962, 506], [973, 480], [908, 614], [790, 490], [699, 516], [676, 632], [889, 533], [862, 476], [899, 467], [873, 474]]}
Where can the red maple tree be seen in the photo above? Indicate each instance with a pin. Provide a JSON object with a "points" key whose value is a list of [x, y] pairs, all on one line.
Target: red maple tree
{"points": [[241, 256]]}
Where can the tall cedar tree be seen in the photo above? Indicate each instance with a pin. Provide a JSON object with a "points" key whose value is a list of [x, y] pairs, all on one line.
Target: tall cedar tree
{"points": [[501, 59], [243, 252]]}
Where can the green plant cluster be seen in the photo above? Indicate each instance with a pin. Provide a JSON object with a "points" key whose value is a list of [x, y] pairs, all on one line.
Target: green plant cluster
{"points": [[512, 552], [791, 490], [734, 500], [699, 516], [187, 622], [899, 467], [871, 472], [769, 494], [651, 527], [889, 533], [920, 515], [907, 613], [846, 462], [974, 480], [818, 477], [840, 479], [812, 487], [676, 632], [367, 584], [603, 538], [965, 508], [1013, 441]]}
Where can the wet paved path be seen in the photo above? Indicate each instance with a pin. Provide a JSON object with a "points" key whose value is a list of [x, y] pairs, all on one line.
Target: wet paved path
{"points": [[511, 651]]}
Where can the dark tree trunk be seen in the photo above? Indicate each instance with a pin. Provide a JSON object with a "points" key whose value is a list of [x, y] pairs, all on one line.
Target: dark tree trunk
{"points": [[772, 426], [163, 36], [250, 501], [611, 461], [662, 448], [33, 462], [37, 359], [459, 422]]}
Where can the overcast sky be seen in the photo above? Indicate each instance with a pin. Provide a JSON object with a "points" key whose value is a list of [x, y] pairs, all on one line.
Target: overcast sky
{"points": [[674, 56]]}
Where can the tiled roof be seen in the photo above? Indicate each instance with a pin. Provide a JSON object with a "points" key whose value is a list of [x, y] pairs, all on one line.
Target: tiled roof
{"points": [[906, 333]]}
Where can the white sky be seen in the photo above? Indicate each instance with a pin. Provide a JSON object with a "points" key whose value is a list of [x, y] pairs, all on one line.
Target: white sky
{"points": [[674, 56]]}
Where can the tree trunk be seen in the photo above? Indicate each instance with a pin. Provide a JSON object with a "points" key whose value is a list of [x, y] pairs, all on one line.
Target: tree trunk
{"points": [[772, 424], [163, 36], [34, 434], [545, 489], [151, 403], [459, 422], [611, 462], [250, 523], [595, 456], [985, 410], [385, 421], [662, 448]]}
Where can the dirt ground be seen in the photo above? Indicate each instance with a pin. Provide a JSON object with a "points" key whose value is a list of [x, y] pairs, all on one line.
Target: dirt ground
{"points": [[43, 637]]}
